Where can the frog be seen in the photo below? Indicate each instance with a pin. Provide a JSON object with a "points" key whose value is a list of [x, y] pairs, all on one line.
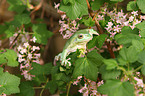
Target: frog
{"points": [[76, 42]]}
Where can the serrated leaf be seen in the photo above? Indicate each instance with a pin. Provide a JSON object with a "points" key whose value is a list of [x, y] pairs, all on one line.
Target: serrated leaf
{"points": [[126, 39], [108, 74], [132, 54], [129, 54], [117, 88], [41, 33], [9, 84], [23, 18], [110, 63], [141, 6], [75, 10], [132, 6], [26, 89], [121, 61], [138, 45], [10, 31], [96, 4], [83, 66], [95, 57], [92, 43], [52, 86], [97, 41], [41, 69], [140, 26], [127, 30], [16, 5], [89, 22], [100, 40], [141, 57], [10, 57]]}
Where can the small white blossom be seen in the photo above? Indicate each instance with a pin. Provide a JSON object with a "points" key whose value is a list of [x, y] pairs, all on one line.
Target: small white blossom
{"points": [[26, 44]]}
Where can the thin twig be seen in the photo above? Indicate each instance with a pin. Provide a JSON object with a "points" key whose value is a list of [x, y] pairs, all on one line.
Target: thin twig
{"points": [[100, 29], [14, 41]]}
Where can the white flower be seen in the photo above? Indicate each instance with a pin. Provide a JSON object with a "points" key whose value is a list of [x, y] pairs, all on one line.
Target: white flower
{"points": [[139, 82], [19, 48], [109, 24], [23, 51], [131, 18], [26, 44], [35, 48], [29, 56], [33, 39]]}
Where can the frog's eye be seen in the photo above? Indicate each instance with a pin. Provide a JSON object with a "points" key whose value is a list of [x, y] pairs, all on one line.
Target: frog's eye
{"points": [[80, 36]]}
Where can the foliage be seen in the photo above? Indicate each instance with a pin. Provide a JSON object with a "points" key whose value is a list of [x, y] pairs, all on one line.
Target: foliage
{"points": [[113, 63]]}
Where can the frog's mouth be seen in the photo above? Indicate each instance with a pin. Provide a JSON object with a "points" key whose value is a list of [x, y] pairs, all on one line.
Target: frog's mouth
{"points": [[92, 32]]}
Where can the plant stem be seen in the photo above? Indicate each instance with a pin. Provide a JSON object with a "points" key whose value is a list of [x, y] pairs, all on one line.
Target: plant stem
{"points": [[68, 89], [100, 30], [41, 92], [138, 68]]}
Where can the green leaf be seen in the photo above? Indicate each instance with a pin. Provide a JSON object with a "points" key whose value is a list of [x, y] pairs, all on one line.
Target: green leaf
{"points": [[92, 43], [83, 66], [16, 5], [97, 41], [10, 57], [41, 69], [61, 77], [108, 74], [117, 0], [141, 57], [1, 70], [3, 28], [138, 45], [41, 33], [89, 22], [26, 89], [142, 28], [126, 39], [132, 54], [127, 30], [141, 6], [100, 40], [10, 31], [110, 63], [52, 86], [95, 58], [96, 4], [75, 10], [143, 69], [117, 88], [23, 18], [9, 83], [132, 6], [129, 54]]}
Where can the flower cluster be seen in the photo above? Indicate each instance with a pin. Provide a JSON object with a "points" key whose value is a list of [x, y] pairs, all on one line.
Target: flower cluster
{"points": [[28, 54], [90, 87], [139, 85], [67, 26], [118, 20]]}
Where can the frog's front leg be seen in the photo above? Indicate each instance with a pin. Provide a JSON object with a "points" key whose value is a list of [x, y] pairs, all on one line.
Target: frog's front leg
{"points": [[63, 59]]}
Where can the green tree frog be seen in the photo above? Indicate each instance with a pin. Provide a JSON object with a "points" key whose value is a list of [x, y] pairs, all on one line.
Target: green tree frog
{"points": [[77, 41]]}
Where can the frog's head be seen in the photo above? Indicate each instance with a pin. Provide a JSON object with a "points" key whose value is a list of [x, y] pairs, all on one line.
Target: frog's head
{"points": [[84, 35]]}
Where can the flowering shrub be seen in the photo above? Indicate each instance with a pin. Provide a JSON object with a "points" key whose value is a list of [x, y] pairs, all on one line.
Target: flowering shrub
{"points": [[114, 61]]}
